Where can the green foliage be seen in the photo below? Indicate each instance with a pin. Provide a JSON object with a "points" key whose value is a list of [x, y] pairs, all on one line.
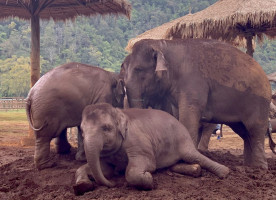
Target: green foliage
{"points": [[265, 54], [98, 41], [14, 76]]}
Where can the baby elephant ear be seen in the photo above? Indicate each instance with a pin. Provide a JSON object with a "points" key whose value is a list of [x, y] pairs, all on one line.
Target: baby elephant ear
{"points": [[160, 64], [121, 122]]}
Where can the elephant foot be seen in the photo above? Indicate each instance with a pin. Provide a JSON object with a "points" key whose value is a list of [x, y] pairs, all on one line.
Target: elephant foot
{"points": [[187, 169], [44, 165], [143, 181], [63, 148], [82, 187], [222, 171], [80, 156]]}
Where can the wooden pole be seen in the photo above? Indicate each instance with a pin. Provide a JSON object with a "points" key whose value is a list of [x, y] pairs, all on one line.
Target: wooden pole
{"points": [[35, 60], [35, 49], [249, 45]]}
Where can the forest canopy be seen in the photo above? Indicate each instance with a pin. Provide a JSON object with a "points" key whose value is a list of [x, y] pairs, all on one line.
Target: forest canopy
{"points": [[98, 41]]}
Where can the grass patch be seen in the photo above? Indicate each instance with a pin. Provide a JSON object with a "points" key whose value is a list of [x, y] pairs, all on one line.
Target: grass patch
{"points": [[13, 115], [13, 126]]}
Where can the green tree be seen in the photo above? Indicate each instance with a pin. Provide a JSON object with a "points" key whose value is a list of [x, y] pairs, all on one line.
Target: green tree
{"points": [[15, 76]]}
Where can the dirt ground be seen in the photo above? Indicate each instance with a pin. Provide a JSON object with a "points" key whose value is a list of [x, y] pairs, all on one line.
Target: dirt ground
{"points": [[20, 180]]}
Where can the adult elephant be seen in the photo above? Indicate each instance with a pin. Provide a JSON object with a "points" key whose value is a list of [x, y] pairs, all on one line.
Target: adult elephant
{"points": [[205, 80], [56, 101]]}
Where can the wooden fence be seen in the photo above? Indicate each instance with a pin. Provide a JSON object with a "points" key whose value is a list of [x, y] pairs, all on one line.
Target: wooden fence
{"points": [[11, 103]]}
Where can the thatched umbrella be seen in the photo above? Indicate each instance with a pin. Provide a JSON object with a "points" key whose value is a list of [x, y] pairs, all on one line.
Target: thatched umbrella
{"points": [[272, 77], [58, 10], [159, 32], [229, 20], [35, 10]]}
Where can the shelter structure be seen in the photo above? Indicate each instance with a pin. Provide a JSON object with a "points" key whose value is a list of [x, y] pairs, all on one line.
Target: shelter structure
{"points": [[236, 21], [34, 10], [230, 20], [272, 77]]}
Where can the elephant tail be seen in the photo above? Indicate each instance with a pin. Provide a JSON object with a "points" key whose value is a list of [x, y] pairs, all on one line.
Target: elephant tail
{"points": [[28, 112], [272, 144]]}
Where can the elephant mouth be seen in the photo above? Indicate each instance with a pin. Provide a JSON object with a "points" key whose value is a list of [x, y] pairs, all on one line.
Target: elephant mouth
{"points": [[111, 151]]}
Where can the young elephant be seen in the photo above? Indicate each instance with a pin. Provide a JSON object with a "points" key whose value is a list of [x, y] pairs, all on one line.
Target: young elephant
{"points": [[138, 140], [57, 100]]}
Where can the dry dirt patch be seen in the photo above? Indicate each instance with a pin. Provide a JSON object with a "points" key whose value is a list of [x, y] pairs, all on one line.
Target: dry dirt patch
{"points": [[20, 180]]}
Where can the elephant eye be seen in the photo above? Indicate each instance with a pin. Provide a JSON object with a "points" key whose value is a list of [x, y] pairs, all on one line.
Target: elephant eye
{"points": [[138, 69], [106, 128]]}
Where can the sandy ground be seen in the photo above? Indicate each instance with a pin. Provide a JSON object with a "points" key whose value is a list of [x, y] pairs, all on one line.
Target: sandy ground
{"points": [[20, 180]]}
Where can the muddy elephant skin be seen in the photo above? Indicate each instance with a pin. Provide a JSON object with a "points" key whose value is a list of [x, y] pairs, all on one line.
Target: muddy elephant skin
{"points": [[57, 100], [206, 81], [138, 141]]}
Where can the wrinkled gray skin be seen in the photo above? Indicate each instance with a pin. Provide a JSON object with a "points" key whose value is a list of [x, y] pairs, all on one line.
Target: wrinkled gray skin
{"points": [[57, 100], [138, 141], [206, 81], [205, 129]]}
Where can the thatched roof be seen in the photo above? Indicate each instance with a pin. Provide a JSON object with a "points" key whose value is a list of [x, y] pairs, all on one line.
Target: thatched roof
{"points": [[272, 77], [158, 32], [62, 9], [228, 20]]}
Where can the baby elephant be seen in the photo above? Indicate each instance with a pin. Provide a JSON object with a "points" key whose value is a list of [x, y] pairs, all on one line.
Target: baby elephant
{"points": [[138, 141]]}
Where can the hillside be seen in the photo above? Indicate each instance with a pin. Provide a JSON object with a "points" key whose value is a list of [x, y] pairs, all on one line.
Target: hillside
{"points": [[98, 41]]}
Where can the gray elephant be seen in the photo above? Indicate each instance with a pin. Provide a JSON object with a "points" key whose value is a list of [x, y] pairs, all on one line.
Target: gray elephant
{"points": [[57, 100], [205, 129], [138, 141], [206, 81]]}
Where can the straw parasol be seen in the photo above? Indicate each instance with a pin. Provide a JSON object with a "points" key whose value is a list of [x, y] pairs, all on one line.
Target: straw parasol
{"points": [[58, 10], [272, 77], [34, 10], [230, 20], [234, 21], [159, 32]]}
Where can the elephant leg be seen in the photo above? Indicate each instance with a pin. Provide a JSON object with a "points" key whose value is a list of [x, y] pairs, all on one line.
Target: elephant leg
{"points": [[206, 133], [80, 155], [191, 155], [42, 153], [62, 144], [83, 183], [187, 169], [138, 172], [189, 116], [253, 137]]}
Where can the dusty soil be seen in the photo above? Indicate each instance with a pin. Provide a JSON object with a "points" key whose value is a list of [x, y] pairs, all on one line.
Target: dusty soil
{"points": [[20, 180]]}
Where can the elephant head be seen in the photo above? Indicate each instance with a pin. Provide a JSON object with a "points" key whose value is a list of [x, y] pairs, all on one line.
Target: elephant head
{"points": [[104, 129], [145, 74]]}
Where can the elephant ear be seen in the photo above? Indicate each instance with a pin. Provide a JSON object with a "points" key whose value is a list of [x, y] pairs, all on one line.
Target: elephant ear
{"points": [[121, 121], [119, 92], [161, 68]]}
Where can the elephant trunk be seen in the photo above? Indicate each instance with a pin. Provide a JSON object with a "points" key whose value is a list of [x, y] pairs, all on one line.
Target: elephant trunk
{"points": [[135, 99], [93, 147]]}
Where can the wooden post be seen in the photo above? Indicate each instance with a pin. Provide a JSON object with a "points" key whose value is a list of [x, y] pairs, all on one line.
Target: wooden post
{"points": [[35, 60], [35, 50], [249, 45]]}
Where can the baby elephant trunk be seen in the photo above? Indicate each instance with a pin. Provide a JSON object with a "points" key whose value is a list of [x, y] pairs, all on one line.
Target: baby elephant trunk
{"points": [[93, 147]]}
